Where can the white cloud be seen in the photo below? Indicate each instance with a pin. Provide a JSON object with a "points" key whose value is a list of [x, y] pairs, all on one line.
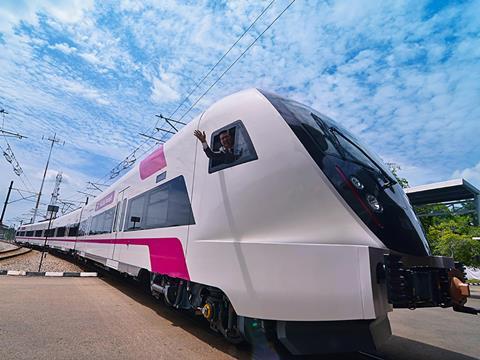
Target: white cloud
{"points": [[68, 12], [162, 92], [471, 174], [63, 47], [77, 87], [13, 12], [91, 58], [132, 5]]}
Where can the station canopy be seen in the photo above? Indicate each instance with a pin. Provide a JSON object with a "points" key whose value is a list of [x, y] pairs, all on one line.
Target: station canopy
{"points": [[445, 191]]}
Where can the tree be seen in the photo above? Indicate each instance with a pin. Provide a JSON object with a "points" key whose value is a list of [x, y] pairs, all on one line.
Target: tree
{"points": [[394, 169], [453, 237], [448, 233], [433, 214], [9, 234]]}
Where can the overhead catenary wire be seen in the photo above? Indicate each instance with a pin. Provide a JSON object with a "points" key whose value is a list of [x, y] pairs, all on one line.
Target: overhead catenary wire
{"points": [[116, 170], [222, 57], [236, 60], [11, 158], [127, 162], [198, 83]]}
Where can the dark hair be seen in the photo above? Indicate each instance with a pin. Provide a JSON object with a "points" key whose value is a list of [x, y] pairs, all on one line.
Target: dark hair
{"points": [[224, 132]]}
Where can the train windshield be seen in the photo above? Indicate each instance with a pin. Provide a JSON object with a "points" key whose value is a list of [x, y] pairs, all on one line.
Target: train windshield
{"points": [[333, 139], [360, 156]]}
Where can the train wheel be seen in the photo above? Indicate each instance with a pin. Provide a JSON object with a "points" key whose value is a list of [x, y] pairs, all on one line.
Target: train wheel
{"points": [[144, 280], [234, 336]]}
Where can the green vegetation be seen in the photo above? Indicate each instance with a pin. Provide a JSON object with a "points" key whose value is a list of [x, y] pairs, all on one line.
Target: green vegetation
{"points": [[452, 236], [394, 169], [9, 234], [447, 233]]}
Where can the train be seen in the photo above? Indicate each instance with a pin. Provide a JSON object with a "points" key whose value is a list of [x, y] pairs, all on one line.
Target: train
{"points": [[272, 222]]}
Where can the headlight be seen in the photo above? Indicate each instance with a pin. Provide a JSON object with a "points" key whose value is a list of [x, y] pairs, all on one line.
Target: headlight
{"points": [[374, 203], [356, 183]]}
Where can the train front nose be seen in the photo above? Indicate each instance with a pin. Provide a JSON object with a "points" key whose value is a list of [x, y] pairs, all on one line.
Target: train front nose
{"points": [[363, 181]]}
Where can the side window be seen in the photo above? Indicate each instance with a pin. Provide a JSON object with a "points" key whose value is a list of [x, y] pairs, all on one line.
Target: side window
{"points": [[73, 230], [135, 211], [61, 231], [83, 229], [179, 208], [30, 233], [94, 225], [230, 146], [164, 206], [38, 233], [108, 221], [157, 206], [50, 232], [102, 223]]}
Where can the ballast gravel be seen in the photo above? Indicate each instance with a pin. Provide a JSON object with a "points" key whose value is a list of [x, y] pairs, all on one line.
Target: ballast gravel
{"points": [[31, 260]]}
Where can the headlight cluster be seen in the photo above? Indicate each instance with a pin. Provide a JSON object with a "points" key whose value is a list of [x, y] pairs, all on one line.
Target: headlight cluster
{"points": [[372, 201], [356, 183]]}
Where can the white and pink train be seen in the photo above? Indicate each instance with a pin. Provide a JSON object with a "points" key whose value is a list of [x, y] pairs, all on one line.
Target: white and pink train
{"points": [[300, 232]]}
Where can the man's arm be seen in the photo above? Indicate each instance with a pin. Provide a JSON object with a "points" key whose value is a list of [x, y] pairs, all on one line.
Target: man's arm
{"points": [[203, 139], [210, 153]]}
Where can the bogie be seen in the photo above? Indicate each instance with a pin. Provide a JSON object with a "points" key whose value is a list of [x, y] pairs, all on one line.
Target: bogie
{"points": [[206, 301]]}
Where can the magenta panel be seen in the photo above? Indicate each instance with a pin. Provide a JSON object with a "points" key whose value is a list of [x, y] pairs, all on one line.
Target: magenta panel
{"points": [[107, 200], [166, 254], [152, 163]]}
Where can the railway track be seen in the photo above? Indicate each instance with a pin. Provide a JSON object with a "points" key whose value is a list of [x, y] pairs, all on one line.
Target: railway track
{"points": [[13, 252]]}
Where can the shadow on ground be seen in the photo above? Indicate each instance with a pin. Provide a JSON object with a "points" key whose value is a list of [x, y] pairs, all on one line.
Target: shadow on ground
{"points": [[396, 348], [400, 348]]}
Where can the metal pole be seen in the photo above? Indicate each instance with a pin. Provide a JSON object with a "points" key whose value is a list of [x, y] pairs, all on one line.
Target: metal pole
{"points": [[6, 202], [46, 238], [54, 140], [477, 208]]}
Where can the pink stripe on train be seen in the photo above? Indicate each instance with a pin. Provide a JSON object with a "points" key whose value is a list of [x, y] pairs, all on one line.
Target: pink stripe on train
{"points": [[152, 163], [166, 254]]}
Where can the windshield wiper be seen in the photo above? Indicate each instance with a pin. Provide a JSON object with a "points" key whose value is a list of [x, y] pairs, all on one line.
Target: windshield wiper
{"points": [[332, 138], [390, 180]]}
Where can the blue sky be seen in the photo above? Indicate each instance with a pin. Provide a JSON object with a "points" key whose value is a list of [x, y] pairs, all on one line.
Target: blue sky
{"points": [[403, 76]]}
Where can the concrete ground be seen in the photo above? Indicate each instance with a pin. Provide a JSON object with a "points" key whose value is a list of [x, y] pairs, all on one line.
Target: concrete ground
{"points": [[93, 318], [435, 333], [4, 245]]}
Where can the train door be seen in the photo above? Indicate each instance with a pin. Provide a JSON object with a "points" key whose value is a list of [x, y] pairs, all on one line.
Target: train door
{"points": [[118, 223], [114, 228]]}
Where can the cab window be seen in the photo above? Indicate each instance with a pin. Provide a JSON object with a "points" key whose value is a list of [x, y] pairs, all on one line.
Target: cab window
{"points": [[231, 146]]}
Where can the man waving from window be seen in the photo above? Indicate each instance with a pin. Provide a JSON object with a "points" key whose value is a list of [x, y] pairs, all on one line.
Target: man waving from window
{"points": [[225, 154]]}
